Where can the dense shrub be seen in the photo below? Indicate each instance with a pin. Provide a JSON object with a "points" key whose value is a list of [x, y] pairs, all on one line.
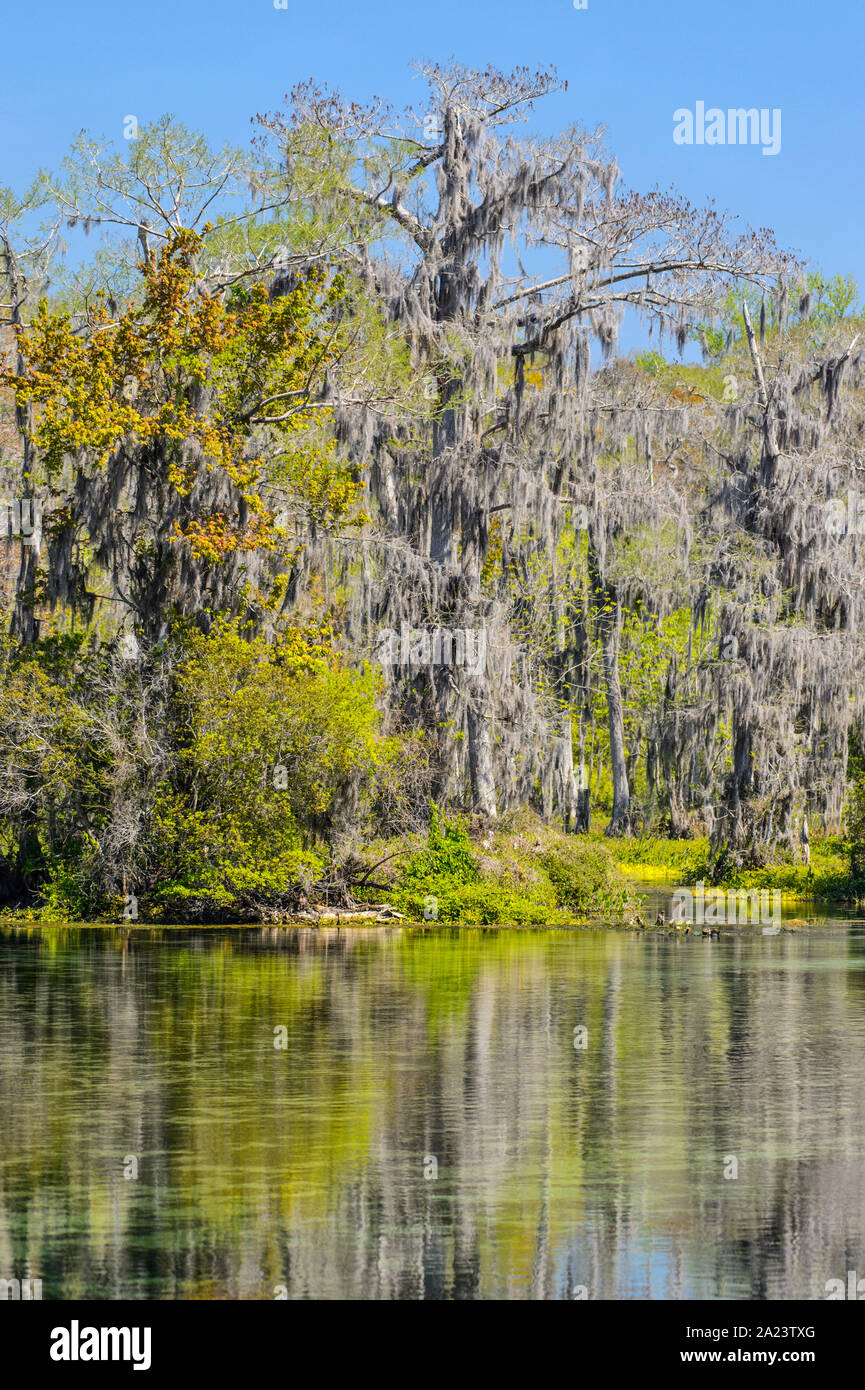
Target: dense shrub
{"points": [[216, 771], [554, 880], [856, 833]]}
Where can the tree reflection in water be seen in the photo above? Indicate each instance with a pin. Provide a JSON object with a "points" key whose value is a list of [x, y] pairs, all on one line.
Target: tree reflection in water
{"points": [[306, 1168]]}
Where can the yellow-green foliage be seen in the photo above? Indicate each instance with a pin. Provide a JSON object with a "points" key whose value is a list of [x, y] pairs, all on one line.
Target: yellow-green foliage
{"points": [[277, 736], [828, 877], [138, 376], [525, 875], [214, 774]]}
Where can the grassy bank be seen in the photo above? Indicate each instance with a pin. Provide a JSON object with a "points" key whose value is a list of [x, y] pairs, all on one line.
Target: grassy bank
{"points": [[523, 872], [685, 862]]}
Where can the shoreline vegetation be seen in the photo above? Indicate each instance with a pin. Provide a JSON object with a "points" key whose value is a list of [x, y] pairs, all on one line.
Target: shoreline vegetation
{"points": [[523, 873]]}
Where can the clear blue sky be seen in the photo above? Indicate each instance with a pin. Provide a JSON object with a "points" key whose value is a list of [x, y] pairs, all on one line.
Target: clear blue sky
{"points": [[629, 65]]}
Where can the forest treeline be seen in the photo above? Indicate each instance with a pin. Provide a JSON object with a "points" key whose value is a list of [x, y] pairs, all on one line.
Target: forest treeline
{"points": [[327, 498]]}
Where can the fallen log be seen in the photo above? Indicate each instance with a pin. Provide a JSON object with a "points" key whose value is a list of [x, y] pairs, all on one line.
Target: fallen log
{"points": [[382, 913]]}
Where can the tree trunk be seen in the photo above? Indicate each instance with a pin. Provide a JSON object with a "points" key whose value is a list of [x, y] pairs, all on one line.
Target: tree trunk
{"points": [[481, 751], [609, 618], [568, 790], [450, 524], [24, 624], [733, 827], [621, 815]]}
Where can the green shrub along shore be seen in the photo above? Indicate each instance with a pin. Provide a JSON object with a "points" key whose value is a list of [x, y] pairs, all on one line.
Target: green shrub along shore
{"points": [[527, 873], [232, 779], [521, 873]]}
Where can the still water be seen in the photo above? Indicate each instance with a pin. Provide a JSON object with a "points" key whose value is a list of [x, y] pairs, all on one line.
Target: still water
{"points": [[405, 1114]]}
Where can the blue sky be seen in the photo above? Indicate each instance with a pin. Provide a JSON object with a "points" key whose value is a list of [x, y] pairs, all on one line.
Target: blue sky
{"points": [[214, 63]]}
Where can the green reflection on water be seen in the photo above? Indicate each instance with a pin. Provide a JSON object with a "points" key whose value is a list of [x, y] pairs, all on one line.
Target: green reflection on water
{"points": [[303, 1166]]}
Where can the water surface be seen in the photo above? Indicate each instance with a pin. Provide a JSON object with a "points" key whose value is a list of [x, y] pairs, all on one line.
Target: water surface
{"points": [[429, 1128]]}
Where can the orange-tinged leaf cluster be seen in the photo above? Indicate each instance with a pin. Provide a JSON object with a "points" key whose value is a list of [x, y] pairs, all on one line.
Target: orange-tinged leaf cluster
{"points": [[227, 372]]}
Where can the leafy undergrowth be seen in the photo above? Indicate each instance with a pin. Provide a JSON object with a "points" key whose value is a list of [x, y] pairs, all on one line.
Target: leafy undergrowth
{"points": [[827, 878], [520, 873], [523, 873], [666, 857]]}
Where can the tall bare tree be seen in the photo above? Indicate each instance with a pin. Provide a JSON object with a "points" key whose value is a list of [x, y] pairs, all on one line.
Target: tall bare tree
{"points": [[468, 211]]}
